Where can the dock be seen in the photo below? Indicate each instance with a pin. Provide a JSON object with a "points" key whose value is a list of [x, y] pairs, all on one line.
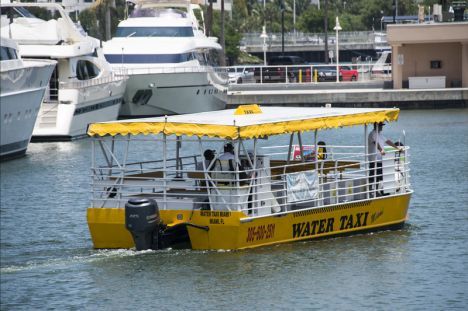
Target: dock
{"points": [[345, 94]]}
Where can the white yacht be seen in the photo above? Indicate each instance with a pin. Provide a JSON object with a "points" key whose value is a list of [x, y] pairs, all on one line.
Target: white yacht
{"points": [[23, 83], [166, 55], [83, 89]]}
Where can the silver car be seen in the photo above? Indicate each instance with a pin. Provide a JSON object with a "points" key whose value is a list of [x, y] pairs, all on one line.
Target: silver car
{"points": [[238, 75]]}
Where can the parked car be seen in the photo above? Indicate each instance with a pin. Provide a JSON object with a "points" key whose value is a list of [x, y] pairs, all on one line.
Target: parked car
{"points": [[286, 60], [239, 75], [348, 74], [327, 73], [277, 68]]}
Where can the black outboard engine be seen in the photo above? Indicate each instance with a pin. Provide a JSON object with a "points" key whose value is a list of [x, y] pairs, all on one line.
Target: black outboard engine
{"points": [[142, 220]]}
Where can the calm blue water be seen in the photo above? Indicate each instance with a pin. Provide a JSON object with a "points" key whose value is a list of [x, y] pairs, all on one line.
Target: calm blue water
{"points": [[47, 260]]}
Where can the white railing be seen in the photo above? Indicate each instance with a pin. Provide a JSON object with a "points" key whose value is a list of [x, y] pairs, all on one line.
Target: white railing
{"points": [[93, 82], [307, 74], [172, 69], [343, 176]]}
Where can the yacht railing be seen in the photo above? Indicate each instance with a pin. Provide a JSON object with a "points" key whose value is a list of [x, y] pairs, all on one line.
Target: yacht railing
{"points": [[173, 69], [112, 78], [270, 183]]}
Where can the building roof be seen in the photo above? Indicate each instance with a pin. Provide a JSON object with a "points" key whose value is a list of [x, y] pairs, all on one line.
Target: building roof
{"points": [[427, 33]]}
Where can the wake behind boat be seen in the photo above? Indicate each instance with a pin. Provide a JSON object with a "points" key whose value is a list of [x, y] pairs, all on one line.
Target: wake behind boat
{"points": [[158, 183], [83, 89], [165, 53], [23, 83]]}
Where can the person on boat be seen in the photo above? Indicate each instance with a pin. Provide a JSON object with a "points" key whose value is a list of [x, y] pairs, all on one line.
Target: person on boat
{"points": [[228, 153], [321, 150], [376, 141], [209, 155], [226, 162]]}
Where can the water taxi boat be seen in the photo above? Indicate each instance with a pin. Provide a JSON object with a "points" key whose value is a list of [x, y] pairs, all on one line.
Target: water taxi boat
{"points": [[153, 188]]}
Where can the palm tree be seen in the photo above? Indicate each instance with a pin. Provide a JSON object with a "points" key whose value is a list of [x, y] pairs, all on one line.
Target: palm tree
{"points": [[105, 6], [209, 19], [223, 42]]}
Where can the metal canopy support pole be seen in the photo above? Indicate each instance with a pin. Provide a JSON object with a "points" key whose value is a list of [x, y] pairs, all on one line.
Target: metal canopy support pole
{"points": [[165, 171], [205, 172], [236, 167], [291, 139], [316, 151], [124, 165], [254, 180], [366, 152], [178, 166], [112, 149], [301, 150], [101, 144], [93, 167]]}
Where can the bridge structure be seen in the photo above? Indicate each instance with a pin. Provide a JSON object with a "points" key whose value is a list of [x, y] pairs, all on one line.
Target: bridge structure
{"points": [[311, 46]]}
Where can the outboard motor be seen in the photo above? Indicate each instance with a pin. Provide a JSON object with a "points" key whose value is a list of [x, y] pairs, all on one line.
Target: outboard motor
{"points": [[142, 220]]}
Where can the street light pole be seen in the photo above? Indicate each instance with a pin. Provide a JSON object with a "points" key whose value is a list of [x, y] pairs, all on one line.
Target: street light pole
{"points": [[264, 36], [294, 17], [337, 28], [282, 27]]}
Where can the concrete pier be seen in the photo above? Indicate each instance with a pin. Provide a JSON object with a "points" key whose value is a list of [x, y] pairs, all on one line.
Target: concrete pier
{"points": [[346, 94]]}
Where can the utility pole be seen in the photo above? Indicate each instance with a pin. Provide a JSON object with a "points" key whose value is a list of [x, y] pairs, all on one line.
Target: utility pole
{"points": [[223, 42], [325, 25], [282, 27]]}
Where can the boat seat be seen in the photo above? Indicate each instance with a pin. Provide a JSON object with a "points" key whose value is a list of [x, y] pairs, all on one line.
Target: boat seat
{"points": [[278, 167]]}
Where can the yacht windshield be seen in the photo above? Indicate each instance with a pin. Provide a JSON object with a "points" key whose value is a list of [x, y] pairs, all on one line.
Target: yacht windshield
{"points": [[154, 32], [15, 12], [158, 12]]}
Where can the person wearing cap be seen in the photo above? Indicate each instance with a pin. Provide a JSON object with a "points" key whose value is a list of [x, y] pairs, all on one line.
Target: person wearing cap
{"points": [[376, 141], [226, 165], [228, 153], [209, 155]]}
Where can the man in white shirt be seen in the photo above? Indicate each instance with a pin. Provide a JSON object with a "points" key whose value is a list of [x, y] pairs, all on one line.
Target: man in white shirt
{"points": [[376, 142]]}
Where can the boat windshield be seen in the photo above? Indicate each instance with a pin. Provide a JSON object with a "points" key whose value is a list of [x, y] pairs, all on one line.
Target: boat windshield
{"points": [[154, 32], [16, 12], [158, 12], [7, 53]]}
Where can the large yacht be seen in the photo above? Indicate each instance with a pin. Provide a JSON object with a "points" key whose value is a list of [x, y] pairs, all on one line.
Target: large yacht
{"points": [[23, 83], [168, 59], [83, 89]]}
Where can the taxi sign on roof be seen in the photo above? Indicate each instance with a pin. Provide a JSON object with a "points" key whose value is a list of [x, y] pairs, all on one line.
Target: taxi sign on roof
{"points": [[248, 109]]}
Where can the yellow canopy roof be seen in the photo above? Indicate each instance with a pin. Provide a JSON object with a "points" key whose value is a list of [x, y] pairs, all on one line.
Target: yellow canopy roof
{"points": [[229, 125]]}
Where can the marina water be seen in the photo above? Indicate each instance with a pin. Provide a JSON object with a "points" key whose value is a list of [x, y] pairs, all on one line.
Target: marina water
{"points": [[47, 259]]}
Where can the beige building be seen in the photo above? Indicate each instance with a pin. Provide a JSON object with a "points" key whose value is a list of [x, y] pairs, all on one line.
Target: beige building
{"points": [[429, 55]]}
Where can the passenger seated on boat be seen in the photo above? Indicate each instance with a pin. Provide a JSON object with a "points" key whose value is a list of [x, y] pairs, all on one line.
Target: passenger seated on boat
{"points": [[209, 155], [226, 163], [321, 150]]}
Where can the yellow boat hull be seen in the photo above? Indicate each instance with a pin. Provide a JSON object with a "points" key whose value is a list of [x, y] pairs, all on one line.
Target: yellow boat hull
{"points": [[232, 230]]}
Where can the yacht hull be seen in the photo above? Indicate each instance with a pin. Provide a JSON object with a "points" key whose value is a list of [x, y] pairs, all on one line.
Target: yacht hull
{"points": [[21, 95], [170, 93], [76, 108]]}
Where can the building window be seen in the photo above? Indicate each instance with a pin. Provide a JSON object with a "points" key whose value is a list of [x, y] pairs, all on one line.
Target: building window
{"points": [[436, 64]]}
